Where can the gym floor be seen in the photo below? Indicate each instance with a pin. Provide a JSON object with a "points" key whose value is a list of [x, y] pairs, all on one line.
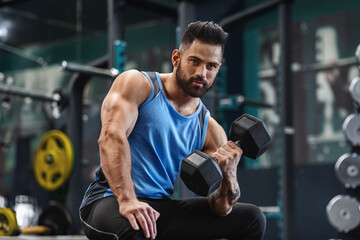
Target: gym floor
{"points": [[34, 237]]}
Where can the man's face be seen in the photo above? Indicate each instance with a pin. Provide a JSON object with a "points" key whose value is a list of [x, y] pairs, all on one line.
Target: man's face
{"points": [[197, 68]]}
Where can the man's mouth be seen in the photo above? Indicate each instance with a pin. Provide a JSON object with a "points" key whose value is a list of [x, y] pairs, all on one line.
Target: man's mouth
{"points": [[198, 83]]}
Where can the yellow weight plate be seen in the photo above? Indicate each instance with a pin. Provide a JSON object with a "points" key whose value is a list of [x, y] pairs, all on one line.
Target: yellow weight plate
{"points": [[8, 223], [54, 160]]}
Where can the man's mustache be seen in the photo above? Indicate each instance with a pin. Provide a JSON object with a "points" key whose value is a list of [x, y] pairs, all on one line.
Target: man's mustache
{"points": [[199, 79]]}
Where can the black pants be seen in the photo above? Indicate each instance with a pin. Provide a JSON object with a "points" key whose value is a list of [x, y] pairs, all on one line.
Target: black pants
{"points": [[179, 219]]}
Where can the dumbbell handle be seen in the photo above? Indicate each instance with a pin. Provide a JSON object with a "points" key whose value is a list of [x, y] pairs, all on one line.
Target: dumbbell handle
{"points": [[238, 143]]}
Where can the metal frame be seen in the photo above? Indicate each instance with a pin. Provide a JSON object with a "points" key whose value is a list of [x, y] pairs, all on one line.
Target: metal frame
{"points": [[186, 15], [117, 19], [77, 84], [89, 70], [236, 18], [287, 120], [287, 168], [116, 26], [23, 92]]}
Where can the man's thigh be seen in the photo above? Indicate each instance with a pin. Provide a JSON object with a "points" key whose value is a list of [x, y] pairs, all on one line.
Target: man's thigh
{"points": [[179, 219], [193, 219], [102, 221]]}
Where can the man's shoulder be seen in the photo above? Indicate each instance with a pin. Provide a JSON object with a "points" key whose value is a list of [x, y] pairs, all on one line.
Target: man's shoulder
{"points": [[133, 78], [132, 73]]}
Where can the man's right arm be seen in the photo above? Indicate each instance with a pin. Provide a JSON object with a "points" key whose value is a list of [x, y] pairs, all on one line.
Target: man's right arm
{"points": [[119, 113]]}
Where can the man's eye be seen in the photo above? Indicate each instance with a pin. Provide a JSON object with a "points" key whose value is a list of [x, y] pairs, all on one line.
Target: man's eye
{"points": [[212, 66]]}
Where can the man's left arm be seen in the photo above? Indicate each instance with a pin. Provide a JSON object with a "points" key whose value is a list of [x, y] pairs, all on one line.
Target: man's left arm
{"points": [[227, 154]]}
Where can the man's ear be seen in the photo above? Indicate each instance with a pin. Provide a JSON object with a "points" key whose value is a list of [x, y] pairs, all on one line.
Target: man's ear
{"points": [[175, 58]]}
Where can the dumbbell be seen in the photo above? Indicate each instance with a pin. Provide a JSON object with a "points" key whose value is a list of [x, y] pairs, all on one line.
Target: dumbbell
{"points": [[351, 128], [347, 169], [343, 212], [201, 173]]}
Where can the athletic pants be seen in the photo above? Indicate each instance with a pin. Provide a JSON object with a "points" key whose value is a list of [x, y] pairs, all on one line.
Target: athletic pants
{"points": [[179, 219]]}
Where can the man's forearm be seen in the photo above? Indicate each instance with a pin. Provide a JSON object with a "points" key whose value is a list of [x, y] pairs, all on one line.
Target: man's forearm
{"points": [[116, 164], [222, 199]]}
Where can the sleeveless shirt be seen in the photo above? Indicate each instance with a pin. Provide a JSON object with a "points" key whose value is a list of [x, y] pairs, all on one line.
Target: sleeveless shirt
{"points": [[159, 141]]}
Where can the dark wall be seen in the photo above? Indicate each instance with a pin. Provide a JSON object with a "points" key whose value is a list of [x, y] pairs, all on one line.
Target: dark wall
{"points": [[314, 187]]}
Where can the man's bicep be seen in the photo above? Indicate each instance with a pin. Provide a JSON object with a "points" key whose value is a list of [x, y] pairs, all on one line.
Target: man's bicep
{"points": [[215, 137], [120, 106], [120, 113]]}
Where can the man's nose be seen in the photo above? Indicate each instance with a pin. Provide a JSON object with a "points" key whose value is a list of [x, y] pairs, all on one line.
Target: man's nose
{"points": [[201, 71]]}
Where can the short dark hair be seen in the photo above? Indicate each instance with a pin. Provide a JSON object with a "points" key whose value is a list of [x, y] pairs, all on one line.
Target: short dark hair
{"points": [[205, 31]]}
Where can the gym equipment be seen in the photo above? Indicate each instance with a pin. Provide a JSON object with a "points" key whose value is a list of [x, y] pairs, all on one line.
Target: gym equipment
{"points": [[60, 103], [351, 128], [8, 223], [343, 213], [89, 70], [3, 202], [315, 67], [24, 54], [251, 135], [357, 54], [201, 173], [26, 210], [58, 218], [55, 219], [23, 92], [233, 20], [347, 169], [120, 55], [54, 160], [230, 102], [354, 89], [58, 99]]}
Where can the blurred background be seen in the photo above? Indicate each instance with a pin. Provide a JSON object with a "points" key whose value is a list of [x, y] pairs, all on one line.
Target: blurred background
{"points": [[292, 64]]}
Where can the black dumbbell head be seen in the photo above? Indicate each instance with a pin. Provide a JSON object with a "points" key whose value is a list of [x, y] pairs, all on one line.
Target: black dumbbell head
{"points": [[200, 173], [251, 134]]}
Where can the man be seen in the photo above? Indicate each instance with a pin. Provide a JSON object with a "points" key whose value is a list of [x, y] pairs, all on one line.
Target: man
{"points": [[150, 122]]}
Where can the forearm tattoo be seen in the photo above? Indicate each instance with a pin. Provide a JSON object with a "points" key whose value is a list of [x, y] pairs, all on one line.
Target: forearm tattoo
{"points": [[216, 195], [213, 197], [235, 194]]}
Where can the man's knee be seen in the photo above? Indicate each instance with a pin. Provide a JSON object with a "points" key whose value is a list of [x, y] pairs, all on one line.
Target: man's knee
{"points": [[258, 219]]}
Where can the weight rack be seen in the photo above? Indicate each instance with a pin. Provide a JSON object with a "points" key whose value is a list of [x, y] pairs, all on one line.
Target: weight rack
{"points": [[283, 107], [343, 211]]}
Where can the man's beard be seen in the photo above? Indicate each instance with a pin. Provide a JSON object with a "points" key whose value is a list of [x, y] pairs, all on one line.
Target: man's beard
{"points": [[188, 87]]}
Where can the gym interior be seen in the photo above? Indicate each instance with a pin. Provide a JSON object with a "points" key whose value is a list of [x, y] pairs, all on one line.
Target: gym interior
{"points": [[294, 64]]}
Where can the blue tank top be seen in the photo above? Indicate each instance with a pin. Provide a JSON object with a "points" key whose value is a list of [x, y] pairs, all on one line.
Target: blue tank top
{"points": [[161, 138]]}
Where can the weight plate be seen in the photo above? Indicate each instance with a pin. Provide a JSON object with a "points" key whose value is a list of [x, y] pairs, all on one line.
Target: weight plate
{"points": [[354, 89], [347, 169], [357, 54], [54, 160], [8, 223], [351, 128], [58, 218], [343, 213]]}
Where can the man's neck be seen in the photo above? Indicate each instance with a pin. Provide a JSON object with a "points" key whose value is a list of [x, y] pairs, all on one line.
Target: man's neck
{"points": [[181, 102]]}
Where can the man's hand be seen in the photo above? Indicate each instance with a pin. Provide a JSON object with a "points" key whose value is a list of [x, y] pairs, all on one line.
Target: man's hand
{"points": [[228, 157], [222, 199], [139, 212]]}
